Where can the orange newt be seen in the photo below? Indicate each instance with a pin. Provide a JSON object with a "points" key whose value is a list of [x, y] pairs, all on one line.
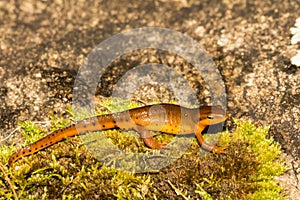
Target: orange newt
{"points": [[167, 118]]}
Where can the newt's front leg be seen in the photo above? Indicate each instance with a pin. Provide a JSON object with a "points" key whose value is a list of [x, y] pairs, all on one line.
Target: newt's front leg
{"points": [[198, 132]]}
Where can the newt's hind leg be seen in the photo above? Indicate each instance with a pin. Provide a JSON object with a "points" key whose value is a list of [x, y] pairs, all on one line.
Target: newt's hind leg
{"points": [[148, 138], [215, 149]]}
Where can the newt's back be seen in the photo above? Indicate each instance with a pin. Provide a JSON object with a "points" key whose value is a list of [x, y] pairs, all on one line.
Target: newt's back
{"points": [[168, 118]]}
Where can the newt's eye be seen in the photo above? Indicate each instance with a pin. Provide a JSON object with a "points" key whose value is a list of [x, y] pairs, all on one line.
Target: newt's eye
{"points": [[210, 117]]}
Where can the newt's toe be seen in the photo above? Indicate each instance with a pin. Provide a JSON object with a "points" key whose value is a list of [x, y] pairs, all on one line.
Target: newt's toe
{"points": [[216, 149]]}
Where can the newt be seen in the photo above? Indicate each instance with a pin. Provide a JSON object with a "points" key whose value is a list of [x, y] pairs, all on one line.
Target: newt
{"points": [[166, 118]]}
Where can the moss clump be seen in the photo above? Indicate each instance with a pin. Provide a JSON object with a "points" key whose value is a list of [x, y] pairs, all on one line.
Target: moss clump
{"points": [[267, 155], [67, 170], [246, 171]]}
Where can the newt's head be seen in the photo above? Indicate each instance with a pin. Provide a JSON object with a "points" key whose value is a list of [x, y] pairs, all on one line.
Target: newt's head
{"points": [[211, 115]]}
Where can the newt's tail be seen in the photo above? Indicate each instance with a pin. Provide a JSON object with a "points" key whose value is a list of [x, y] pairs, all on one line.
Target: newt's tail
{"points": [[102, 122]]}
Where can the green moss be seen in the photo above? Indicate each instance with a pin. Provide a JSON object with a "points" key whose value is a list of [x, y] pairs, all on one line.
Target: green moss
{"points": [[68, 170], [267, 153], [246, 171], [253, 163]]}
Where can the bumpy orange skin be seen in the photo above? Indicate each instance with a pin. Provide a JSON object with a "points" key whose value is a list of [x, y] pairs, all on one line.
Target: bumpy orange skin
{"points": [[166, 118]]}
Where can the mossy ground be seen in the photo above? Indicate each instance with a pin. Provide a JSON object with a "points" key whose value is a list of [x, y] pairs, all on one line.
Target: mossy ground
{"points": [[67, 170]]}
